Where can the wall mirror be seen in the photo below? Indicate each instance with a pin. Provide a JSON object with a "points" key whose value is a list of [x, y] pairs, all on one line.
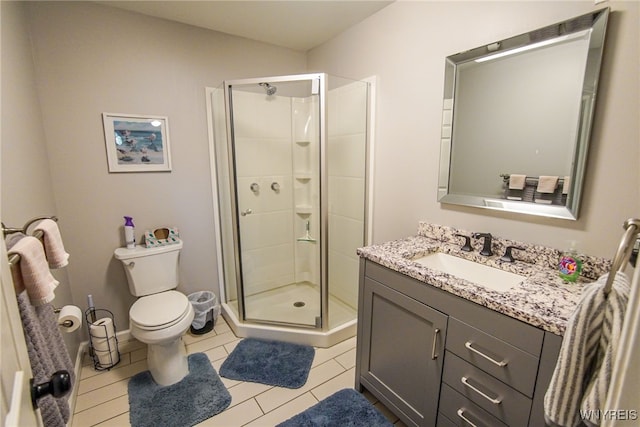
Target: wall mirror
{"points": [[520, 109]]}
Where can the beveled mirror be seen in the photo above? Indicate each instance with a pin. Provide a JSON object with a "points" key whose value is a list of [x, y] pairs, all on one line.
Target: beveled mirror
{"points": [[517, 118]]}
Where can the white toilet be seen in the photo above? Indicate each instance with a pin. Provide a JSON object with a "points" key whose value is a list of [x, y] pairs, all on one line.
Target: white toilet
{"points": [[161, 315]]}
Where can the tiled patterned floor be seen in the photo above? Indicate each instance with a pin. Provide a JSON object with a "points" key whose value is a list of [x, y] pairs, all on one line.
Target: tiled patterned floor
{"points": [[103, 401]]}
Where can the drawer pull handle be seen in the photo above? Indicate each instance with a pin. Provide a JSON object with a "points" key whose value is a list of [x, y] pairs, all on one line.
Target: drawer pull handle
{"points": [[493, 400], [466, 420], [434, 355], [495, 362]]}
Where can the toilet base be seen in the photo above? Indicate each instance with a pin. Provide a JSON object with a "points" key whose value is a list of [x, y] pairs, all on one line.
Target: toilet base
{"points": [[168, 362]]}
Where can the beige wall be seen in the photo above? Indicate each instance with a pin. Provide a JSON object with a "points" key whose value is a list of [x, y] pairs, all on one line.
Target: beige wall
{"points": [[405, 44], [91, 59], [25, 176]]}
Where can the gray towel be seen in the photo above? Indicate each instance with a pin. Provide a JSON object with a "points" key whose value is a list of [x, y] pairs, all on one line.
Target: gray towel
{"points": [[582, 375], [47, 354]]}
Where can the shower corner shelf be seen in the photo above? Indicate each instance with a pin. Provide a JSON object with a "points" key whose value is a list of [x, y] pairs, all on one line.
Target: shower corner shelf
{"points": [[303, 143], [304, 209], [303, 176]]}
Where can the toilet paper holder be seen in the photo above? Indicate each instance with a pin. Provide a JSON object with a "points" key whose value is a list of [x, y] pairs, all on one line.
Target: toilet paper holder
{"points": [[103, 340]]}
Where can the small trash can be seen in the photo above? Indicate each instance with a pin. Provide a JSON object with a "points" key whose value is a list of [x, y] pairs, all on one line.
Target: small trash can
{"points": [[204, 307]]}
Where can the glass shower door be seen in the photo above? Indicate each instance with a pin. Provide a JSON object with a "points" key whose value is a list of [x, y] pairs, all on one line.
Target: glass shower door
{"points": [[275, 136]]}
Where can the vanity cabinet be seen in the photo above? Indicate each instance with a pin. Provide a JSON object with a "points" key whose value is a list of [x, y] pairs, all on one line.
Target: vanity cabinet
{"points": [[402, 343], [436, 359]]}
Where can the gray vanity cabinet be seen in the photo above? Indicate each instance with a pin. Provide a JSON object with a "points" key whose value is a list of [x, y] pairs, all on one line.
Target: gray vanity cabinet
{"points": [[435, 359], [402, 350]]}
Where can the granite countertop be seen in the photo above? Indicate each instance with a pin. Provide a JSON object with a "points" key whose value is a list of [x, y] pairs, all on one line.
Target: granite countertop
{"points": [[542, 299]]}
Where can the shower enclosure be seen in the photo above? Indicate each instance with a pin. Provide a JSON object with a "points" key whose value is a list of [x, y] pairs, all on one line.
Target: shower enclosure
{"points": [[290, 173]]}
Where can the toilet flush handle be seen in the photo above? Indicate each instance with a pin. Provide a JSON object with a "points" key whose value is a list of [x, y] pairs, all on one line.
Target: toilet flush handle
{"points": [[131, 264]]}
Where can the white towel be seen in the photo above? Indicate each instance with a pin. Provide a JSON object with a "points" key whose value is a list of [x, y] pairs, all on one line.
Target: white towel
{"points": [[583, 370], [34, 270], [566, 185], [517, 182], [547, 184], [53, 247]]}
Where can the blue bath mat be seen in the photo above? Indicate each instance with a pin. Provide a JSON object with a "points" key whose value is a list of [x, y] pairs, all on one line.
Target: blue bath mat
{"points": [[198, 396], [346, 407], [269, 362]]}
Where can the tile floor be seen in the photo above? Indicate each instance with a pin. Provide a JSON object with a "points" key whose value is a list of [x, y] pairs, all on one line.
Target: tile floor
{"points": [[102, 396]]}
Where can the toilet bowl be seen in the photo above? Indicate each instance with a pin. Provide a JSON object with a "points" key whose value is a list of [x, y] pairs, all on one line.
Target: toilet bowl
{"points": [[161, 315], [160, 320]]}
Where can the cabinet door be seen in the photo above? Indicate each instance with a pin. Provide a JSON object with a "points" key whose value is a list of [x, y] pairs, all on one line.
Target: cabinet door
{"points": [[401, 352]]}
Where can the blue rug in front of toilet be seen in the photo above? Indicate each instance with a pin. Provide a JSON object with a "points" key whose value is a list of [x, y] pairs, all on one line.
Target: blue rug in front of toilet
{"points": [[269, 362], [198, 396]]}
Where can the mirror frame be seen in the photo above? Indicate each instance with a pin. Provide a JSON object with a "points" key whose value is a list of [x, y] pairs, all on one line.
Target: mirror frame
{"points": [[597, 29]]}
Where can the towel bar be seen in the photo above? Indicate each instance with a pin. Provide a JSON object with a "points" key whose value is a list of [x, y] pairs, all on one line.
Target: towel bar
{"points": [[632, 228]]}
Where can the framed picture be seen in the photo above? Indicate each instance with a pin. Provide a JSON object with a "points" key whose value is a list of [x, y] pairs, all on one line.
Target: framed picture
{"points": [[137, 143]]}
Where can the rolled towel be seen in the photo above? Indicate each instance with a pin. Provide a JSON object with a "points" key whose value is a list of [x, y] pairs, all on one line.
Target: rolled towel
{"points": [[57, 257], [517, 182], [566, 184], [547, 184], [34, 270]]}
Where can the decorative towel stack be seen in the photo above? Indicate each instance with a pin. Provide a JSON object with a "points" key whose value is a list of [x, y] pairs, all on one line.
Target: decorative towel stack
{"points": [[583, 371]]}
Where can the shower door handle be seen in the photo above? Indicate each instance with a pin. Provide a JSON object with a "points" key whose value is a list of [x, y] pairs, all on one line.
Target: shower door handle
{"points": [[246, 212]]}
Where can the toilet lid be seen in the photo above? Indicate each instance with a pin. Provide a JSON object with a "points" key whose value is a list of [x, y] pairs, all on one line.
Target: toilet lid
{"points": [[159, 309]]}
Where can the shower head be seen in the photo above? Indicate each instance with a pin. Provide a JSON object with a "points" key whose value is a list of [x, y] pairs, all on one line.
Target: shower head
{"points": [[268, 88]]}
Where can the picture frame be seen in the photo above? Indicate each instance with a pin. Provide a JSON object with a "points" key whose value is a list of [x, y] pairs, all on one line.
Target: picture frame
{"points": [[137, 143]]}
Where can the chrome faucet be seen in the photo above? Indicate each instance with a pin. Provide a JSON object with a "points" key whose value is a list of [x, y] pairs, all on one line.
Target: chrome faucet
{"points": [[486, 248]]}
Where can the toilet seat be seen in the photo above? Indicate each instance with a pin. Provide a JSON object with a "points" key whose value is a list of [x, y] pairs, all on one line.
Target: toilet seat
{"points": [[159, 311]]}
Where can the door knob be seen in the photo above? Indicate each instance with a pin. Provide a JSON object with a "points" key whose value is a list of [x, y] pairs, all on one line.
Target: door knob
{"points": [[246, 212], [58, 385]]}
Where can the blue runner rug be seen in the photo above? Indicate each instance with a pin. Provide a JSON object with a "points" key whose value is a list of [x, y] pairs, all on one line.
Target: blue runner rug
{"points": [[346, 407], [198, 396], [269, 362]]}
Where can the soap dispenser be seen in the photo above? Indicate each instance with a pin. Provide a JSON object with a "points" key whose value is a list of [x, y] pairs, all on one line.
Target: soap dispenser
{"points": [[570, 264]]}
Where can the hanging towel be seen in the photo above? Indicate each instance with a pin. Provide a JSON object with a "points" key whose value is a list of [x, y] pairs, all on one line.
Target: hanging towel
{"points": [[517, 182], [46, 356], [57, 257], [566, 185], [34, 270], [547, 184], [583, 370]]}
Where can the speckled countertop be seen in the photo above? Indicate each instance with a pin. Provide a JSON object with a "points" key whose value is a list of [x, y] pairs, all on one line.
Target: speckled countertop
{"points": [[542, 299]]}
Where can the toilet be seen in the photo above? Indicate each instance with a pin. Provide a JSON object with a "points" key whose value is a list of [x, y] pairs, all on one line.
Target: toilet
{"points": [[161, 315]]}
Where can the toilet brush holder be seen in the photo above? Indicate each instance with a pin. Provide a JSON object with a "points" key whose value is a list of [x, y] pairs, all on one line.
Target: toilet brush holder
{"points": [[103, 342]]}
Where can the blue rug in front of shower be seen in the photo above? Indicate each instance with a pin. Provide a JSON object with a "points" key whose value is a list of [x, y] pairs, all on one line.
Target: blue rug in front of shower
{"points": [[346, 407], [269, 362], [198, 396]]}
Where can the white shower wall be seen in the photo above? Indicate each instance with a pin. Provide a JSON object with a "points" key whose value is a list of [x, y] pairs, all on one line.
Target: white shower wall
{"points": [[262, 127]]}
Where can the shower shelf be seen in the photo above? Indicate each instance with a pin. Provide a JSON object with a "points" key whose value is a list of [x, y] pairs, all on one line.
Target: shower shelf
{"points": [[304, 209], [303, 176], [303, 143]]}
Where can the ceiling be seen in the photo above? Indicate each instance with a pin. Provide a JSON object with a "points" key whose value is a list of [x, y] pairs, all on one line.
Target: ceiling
{"points": [[296, 24]]}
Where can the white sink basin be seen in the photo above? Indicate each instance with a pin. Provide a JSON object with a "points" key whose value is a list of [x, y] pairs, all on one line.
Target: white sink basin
{"points": [[492, 278]]}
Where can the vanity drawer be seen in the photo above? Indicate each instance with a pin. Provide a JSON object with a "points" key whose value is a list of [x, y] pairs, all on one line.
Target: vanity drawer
{"points": [[495, 397], [507, 363], [463, 412]]}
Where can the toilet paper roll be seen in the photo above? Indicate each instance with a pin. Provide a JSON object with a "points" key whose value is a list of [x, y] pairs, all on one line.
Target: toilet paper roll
{"points": [[102, 328], [70, 318], [104, 344]]}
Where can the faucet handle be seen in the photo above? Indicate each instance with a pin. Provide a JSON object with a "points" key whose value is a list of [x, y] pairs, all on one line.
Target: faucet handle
{"points": [[467, 243], [508, 257]]}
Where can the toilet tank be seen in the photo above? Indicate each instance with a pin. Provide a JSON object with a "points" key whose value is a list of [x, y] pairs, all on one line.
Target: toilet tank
{"points": [[150, 270]]}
